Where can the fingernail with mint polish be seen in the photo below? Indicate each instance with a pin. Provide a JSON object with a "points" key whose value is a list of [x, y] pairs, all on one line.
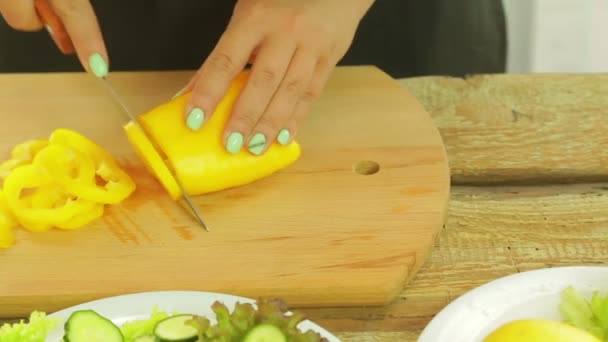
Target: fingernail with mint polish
{"points": [[283, 137], [257, 144], [234, 144], [195, 119], [98, 65]]}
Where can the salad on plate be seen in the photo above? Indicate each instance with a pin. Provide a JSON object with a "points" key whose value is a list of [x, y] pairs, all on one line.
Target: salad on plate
{"points": [[266, 321]]}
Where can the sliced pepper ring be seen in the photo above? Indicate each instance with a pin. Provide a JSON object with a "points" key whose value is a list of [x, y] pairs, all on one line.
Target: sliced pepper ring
{"points": [[22, 153], [33, 176], [43, 197], [65, 165], [83, 218], [79, 142], [51, 196], [118, 184]]}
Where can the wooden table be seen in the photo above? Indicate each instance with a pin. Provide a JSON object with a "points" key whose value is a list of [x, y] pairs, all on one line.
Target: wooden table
{"points": [[529, 163]]}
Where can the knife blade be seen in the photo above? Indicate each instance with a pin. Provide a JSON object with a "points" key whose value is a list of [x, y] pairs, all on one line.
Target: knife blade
{"points": [[60, 36], [131, 117]]}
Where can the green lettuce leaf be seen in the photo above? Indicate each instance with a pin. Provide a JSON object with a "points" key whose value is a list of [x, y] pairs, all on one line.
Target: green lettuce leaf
{"points": [[35, 330], [135, 329], [590, 315], [233, 327]]}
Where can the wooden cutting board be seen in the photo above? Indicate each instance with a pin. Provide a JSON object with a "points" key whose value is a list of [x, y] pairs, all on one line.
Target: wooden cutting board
{"points": [[317, 233]]}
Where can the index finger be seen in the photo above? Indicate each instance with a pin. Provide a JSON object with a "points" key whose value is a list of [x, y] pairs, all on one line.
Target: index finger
{"points": [[81, 23], [228, 58]]}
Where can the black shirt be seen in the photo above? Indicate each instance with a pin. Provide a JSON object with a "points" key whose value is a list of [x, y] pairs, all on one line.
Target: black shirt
{"points": [[402, 37]]}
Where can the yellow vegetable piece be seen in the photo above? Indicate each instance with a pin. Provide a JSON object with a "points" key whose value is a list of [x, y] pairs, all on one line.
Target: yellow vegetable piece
{"points": [[62, 182], [21, 154], [50, 210], [83, 218], [7, 223], [147, 152], [539, 330], [67, 166], [199, 158], [88, 157], [44, 197]]}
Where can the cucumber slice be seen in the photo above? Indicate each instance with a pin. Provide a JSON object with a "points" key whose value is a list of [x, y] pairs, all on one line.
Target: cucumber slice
{"points": [[145, 338], [175, 329], [265, 333], [89, 326]]}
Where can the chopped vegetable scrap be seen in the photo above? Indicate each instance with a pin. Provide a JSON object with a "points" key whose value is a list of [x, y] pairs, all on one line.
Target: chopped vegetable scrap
{"points": [[62, 182]]}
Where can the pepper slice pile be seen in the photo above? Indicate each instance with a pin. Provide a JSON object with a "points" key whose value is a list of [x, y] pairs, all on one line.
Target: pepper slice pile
{"points": [[63, 182]]}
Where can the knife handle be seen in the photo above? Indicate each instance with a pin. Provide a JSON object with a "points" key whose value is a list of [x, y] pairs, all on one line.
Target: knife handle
{"points": [[54, 26]]}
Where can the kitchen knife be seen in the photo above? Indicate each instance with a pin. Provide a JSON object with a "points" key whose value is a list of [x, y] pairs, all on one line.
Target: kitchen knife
{"points": [[62, 39]]}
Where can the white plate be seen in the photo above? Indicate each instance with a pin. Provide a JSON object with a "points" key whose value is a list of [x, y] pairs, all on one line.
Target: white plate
{"points": [[121, 309], [531, 294]]}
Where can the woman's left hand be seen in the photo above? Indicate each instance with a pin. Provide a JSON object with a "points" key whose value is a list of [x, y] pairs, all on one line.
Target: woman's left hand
{"points": [[293, 45]]}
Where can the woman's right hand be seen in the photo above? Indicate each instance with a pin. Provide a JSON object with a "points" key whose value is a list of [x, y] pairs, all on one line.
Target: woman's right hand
{"points": [[79, 20]]}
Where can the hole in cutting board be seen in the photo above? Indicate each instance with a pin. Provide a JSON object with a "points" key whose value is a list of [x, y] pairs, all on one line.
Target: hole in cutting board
{"points": [[367, 167]]}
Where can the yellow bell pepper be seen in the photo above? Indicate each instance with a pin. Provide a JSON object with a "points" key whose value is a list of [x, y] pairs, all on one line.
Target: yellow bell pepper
{"points": [[7, 223], [56, 195], [199, 158], [42, 197], [92, 160], [84, 218], [21, 154], [63, 182], [51, 210]]}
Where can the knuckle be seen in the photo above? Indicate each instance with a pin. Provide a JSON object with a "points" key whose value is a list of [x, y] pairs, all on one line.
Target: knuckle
{"points": [[297, 20], [294, 86], [311, 94], [265, 77], [222, 62]]}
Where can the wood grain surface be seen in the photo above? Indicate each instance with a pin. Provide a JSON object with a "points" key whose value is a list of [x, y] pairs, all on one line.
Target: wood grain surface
{"points": [[525, 128], [491, 230], [527, 193], [316, 233]]}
